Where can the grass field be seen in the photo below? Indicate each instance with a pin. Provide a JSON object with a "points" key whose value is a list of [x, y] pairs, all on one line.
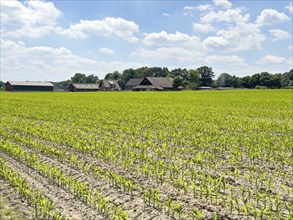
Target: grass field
{"points": [[148, 155]]}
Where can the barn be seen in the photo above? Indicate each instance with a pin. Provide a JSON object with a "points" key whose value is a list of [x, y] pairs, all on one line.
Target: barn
{"points": [[28, 86], [109, 85], [132, 83], [81, 87], [156, 84]]}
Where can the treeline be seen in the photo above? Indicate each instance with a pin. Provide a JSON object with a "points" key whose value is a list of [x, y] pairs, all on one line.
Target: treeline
{"points": [[204, 76], [189, 79]]}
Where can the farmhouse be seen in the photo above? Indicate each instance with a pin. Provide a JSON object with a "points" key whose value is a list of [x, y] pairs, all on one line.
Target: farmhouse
{"points": [[132, 83], [79, 87], [28, 86], [155, 84], [109, 85]]}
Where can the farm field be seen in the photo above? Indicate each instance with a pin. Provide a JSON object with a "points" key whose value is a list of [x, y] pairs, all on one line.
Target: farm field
{"points": [[147, 155]]}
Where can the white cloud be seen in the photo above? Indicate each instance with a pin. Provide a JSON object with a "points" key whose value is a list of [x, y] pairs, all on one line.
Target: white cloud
{"points": [[272, 60], [118, 26], [107, 51], [290, 8], [202, 28], [279, 34], [229, 16], [28, 19], [19, 62], [203, 7], [168, 39], [189, 8], [241, 37], [168, 53], [223, 3], [270, 17], [290, 47], [215, 41], [166, 15]]}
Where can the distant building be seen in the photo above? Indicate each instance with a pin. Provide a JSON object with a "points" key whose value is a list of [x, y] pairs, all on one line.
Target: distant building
{"points": [[28, 86], [204, 88], [156, 84], [109, 85], [80, 87], [132, 83]]}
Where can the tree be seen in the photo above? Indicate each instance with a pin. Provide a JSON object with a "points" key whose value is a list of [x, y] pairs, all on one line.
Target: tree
{"points": [[82, 78], [287, 79], [177, 81], [113, 76], [244, 82], [193, 79], [78, 78], [126, 75], [1, 85], [226, 80], [183, 73], [63, 84], [254, 81], [206, 75], [91, 79]]}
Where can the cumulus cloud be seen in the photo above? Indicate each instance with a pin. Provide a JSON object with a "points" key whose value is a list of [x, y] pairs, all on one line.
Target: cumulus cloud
{"points": [[290, 8], [229, 16], [28, 19], [290, 47], [241, 37], [215, 41], [166, 15], [118, 26], [223, 3], [272, 60], [20, 62], [168, 39], [189, 8], [202, 28], [279, 34], [107, 51], [203, 7], [270, 17]]}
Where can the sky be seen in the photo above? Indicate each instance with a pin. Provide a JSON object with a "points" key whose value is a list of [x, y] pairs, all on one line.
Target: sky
{"points": [[53, 40]]}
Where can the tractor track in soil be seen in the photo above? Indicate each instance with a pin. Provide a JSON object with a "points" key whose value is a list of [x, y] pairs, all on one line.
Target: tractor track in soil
{"points": [[14, 201], [134, 205], [63, 201]]}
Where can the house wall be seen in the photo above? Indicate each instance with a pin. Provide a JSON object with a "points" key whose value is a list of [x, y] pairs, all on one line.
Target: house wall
{"points": [[31, 88], [8, 87], [145, 81], [104, 88], [129, 87], [72, 88]]}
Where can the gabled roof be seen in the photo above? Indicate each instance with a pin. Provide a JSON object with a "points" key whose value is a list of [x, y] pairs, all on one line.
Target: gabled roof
{"points": [[108, 83], [85, 86], [161, 82], [29, 83], [134, 82]]}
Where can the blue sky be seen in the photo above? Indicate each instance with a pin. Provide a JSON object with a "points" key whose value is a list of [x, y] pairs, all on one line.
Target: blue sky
{"points": [[52, 40]]}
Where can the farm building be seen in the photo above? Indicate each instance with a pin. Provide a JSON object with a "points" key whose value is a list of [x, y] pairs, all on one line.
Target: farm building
{"points": [[79, 87], [28, 86], [132, 83], [109, 85], [155, 84], [204, 88]]}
